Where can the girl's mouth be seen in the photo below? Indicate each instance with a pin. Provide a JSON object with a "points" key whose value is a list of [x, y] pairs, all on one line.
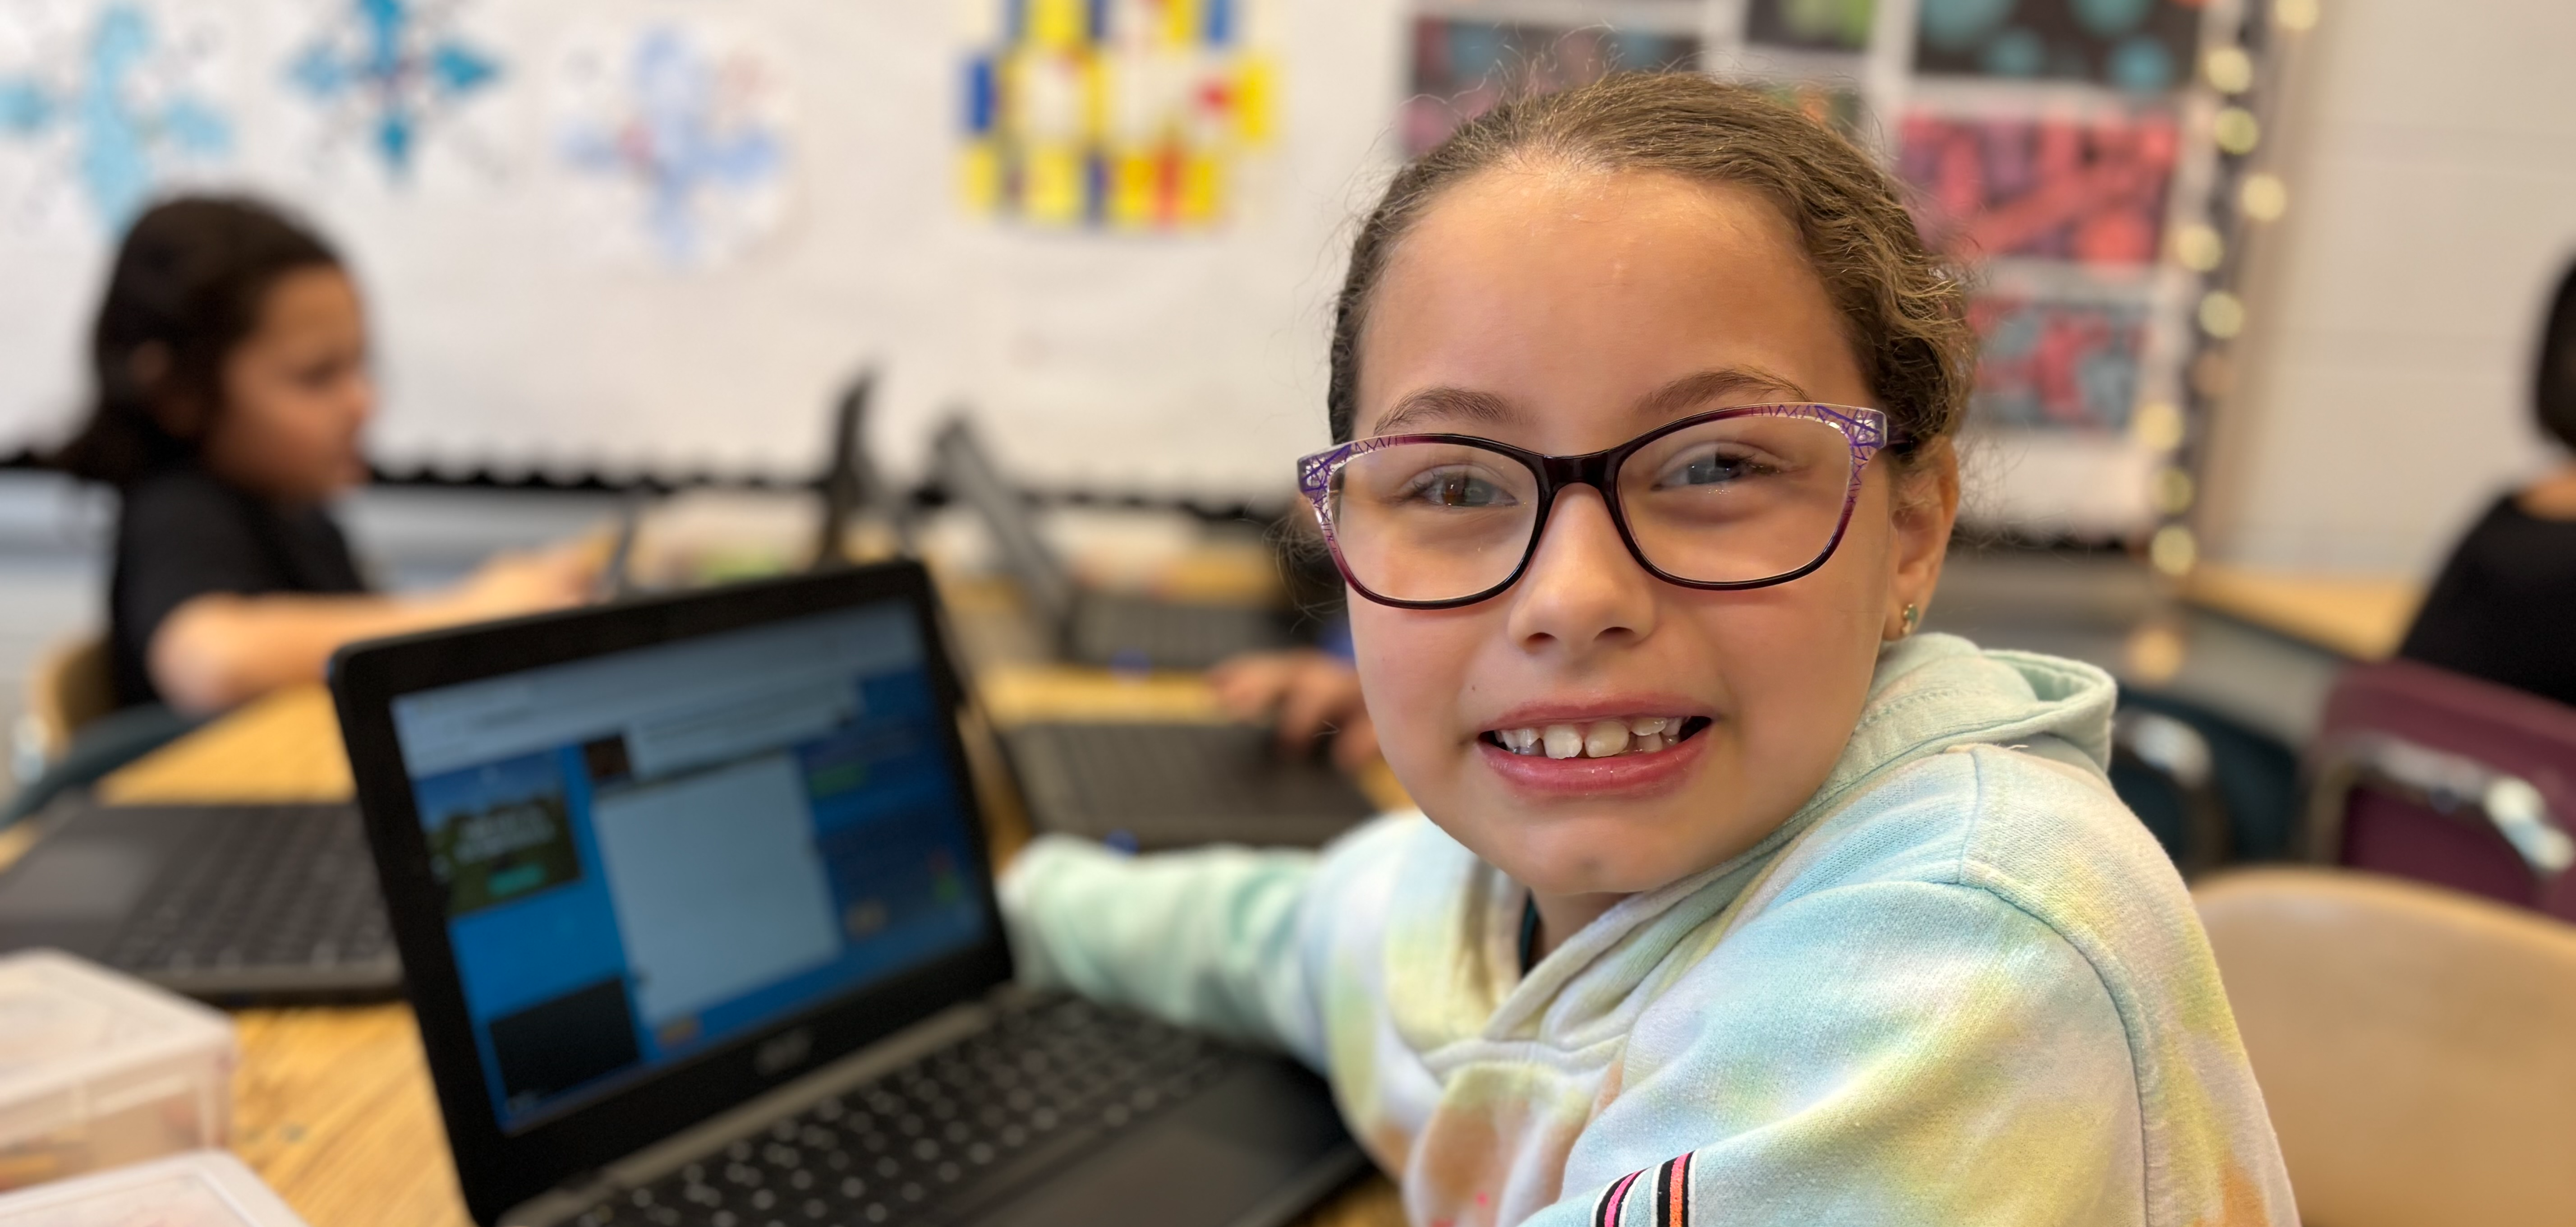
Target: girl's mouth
{"points": [[1616, 737]]}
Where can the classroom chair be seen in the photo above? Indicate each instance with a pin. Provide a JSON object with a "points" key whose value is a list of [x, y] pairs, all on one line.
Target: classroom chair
{"points": [[2412, 1044], [72, 734], [69, 687], [2213, 790], [2427, 774]]}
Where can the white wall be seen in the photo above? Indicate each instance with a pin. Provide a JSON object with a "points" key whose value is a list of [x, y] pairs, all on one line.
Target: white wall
{"points": [[2432, 206]]}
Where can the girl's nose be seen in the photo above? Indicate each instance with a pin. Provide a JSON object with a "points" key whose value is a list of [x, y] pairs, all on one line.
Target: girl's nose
{"points": [[1583, 590]]}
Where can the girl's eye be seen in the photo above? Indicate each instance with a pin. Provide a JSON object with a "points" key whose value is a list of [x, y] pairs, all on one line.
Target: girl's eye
{"points": [[1457, 488], [318, 376], [1714, 467]]}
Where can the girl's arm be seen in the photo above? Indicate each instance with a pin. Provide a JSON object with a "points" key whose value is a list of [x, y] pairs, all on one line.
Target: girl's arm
{"points": [[220, 649], [1222, 938]]}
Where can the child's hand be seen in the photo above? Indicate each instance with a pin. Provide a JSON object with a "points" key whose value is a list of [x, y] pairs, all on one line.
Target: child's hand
{"points": [[1307, 693], [512, 584]]}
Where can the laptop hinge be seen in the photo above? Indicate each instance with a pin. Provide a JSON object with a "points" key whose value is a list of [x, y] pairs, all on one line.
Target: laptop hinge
{"points": [[560, 1203]]}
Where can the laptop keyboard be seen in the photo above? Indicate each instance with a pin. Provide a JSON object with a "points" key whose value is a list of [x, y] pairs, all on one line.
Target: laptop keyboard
{"points": [[288, 886], [950, 1132], [1171, 783], [1130, 631]]}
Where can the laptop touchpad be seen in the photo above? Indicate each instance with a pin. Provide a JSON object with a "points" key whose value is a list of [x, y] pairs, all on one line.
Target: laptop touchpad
{"points": [[79, 880], [1206, 1165], [1167, 1177]]}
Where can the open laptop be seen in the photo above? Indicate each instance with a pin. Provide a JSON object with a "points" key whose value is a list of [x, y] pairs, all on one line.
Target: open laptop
{"points": [[852, 484], [230, 903], [233, 904], [1090, 625], [1153, 785], [1145, 784], [694, 900]]}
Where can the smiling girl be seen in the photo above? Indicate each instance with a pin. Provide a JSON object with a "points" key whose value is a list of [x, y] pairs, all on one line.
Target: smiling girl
{"points": [[1731, 899]]}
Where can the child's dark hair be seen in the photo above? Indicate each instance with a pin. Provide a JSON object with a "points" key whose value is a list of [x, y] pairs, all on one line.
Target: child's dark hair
{"points": [[1904, 307], [2554, 391], [189, 284]]}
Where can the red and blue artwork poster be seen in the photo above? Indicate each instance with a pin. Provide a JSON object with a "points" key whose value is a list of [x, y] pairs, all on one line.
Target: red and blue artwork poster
{"points": [[1462, 68], [2057, 363], [2091, 191], [2135, 46]]}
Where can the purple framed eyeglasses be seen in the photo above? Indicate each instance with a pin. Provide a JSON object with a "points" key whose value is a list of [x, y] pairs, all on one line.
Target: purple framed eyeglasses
{"points": [[1733, 498]]}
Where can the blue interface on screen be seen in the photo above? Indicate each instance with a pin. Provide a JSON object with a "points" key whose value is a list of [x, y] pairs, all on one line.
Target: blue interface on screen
{"points": [[647, 853]]}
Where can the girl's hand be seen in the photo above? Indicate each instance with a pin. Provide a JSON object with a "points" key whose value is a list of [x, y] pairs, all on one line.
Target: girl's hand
{"points": [[512, 584], [1307, 694]]}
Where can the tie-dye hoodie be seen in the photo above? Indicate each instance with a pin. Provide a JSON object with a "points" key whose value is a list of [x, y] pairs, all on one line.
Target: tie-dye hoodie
{"points": [[1961, 985]]}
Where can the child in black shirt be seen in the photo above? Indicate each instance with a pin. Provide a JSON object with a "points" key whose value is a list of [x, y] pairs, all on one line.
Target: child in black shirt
{"points": [[230, 389], [2503, 605]]}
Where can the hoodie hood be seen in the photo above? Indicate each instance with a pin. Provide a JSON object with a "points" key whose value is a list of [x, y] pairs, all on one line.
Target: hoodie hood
{"points": [[1930, 693]]}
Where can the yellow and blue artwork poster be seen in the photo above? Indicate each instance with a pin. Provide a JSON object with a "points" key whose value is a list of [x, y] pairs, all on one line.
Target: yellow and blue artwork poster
{"points": [[1114, 115]]}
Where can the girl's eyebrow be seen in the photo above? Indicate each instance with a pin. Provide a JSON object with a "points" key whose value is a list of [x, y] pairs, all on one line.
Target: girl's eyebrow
{"points": [[1427, 406], [1691, 392], [1447, 405]]}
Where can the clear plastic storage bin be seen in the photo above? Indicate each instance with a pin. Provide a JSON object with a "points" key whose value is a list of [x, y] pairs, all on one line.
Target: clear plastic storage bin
{"points": [[98, 1069], [205, 1188]]}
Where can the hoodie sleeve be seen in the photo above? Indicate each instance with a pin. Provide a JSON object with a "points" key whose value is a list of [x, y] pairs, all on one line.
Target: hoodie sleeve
{"points": [[1229, 939], [1881, 1053]]}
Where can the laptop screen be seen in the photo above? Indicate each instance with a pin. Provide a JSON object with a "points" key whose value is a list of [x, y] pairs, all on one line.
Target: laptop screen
{"points": [[646, 853]]}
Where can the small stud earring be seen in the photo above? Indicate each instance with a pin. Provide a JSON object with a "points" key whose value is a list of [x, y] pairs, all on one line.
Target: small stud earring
{"points": [[1913, 616]]}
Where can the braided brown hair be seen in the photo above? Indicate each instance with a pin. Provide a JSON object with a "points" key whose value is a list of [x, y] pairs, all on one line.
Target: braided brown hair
{"points": [[1903, 306]]}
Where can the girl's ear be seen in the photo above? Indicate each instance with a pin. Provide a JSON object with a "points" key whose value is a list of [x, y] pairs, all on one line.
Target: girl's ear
{"points": [[177, 411], [1924, 500]]}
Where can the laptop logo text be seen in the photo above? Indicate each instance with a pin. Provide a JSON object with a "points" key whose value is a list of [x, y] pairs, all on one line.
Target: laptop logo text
{"points": [[784, 1052]]}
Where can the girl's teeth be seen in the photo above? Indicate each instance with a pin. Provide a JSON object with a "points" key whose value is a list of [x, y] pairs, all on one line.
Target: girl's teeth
{"points": [[1599, 739], [1604, 738]]}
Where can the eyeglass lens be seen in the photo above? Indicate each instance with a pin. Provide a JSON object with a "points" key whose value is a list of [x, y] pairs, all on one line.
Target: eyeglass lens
{"points": [[1727, 501]]}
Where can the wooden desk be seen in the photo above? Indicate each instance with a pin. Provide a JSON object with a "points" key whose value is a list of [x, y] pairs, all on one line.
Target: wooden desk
{"points": [[2360, 617], [332, 1105]]}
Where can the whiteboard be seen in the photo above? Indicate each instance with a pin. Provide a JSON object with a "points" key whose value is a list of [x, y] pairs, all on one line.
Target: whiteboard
{"points": [[531, 318]]}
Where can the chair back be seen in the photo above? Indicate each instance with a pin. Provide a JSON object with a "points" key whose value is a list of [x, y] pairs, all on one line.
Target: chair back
{"points": [[2413, 1045], [69, 688], [2427, 774]]}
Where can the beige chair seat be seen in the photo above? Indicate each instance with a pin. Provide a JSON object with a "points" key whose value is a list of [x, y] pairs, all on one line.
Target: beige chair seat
{"points": [[2416, 1046], [69, 687]]}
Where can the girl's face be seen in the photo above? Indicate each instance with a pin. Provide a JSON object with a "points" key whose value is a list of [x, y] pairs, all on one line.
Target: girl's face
{"points": [[297, 392], [1564, 300]]}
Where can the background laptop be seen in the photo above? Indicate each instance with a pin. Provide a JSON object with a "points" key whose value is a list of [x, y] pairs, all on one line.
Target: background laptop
{"points": [[852, 485], [277, 903], [1145, 784], [1089, 625], [1172, 784], [229, 903], [694, 900]]}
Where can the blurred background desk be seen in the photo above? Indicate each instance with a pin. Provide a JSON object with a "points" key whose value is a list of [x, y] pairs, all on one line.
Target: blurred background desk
{"points": [[2360, 617], [332, 1105]]}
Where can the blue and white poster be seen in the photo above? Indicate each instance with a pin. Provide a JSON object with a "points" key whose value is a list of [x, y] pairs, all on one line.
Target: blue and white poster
{"points": [[104, 105], [672, 141], [390, 90]]}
